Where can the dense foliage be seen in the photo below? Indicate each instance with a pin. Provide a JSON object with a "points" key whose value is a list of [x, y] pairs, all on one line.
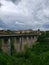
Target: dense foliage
{"points": [[38, 55]]}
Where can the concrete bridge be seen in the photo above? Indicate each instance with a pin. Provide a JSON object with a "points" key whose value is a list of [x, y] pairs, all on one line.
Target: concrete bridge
{"points": [[20, 40]]}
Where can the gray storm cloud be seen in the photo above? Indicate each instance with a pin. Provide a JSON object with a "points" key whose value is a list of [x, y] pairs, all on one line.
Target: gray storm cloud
{"points": [[31, 14], [0, 5], [15, 1]]}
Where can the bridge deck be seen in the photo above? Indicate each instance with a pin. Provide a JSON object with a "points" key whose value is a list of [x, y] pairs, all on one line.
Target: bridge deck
{"points": [[18, 35]]}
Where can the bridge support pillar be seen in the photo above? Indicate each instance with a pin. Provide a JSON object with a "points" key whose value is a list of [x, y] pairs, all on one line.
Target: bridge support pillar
{"points": [[29, 43], [33, 40], [6, 47], [24, 43], [18, 44]]}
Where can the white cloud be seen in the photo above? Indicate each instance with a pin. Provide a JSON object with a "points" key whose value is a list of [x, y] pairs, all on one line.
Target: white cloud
{"points": [[19, 23], [30, 13]]}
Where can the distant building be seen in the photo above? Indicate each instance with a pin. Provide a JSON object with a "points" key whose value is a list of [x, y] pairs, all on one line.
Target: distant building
{"points": [[21, 31]]}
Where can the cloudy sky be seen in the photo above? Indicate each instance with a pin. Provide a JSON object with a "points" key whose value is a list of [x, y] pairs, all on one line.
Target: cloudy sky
{"points": [[24, 14]]}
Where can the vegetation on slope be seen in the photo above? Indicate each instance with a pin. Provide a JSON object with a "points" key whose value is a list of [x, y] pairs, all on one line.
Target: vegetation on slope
{"points": [[38, 55]]}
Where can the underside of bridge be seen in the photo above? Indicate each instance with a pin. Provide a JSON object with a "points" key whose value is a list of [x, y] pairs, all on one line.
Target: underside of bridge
{"points": [[19, 43]]}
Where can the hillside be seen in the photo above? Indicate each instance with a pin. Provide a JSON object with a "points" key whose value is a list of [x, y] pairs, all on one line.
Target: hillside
{"points": [[38, 55]]}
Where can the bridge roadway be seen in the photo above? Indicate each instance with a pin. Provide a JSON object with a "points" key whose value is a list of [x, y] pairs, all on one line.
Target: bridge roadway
{"points": [[18, 35]]}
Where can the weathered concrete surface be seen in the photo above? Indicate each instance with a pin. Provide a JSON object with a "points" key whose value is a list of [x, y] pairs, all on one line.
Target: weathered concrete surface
{"points": [[19, 42], [6, 47], [16, 44]]}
